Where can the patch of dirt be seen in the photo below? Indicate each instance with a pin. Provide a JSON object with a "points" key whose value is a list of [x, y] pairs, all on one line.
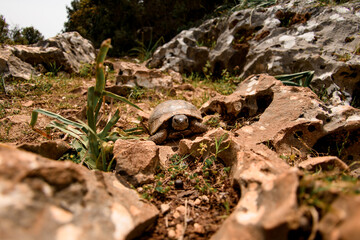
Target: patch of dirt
{"points": [[194, 195]]}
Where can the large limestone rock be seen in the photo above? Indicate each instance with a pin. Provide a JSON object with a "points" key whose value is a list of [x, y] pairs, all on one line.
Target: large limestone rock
{"points": [[188, 51], [282, 122], [293, 36], [46, 199], [12, 67], [67, 51], [73, 50], [290, 120]]}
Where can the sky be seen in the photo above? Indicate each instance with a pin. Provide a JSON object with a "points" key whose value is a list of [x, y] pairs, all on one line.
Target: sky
{"points": [[47, 16]]}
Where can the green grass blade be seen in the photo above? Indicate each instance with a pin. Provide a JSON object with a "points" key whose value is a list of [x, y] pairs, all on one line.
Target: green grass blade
{"points": [[110, 124], [93, 148], [99, 163], [34, 117], [289, 83], [65, 129], [89, 130], [103, 159], [295, 79], [109, 165], [90, 109], [55, 116], [97, 108], [290, 76], [117, 97], [79, 147], [309, 79]]}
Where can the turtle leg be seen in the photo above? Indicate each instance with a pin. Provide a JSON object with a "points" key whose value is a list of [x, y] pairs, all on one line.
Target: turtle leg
{"points": [[198, 127], [159, 137]]}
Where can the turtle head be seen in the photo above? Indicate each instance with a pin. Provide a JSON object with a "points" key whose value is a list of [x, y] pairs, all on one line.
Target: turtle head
{"points": [[180, 122]]}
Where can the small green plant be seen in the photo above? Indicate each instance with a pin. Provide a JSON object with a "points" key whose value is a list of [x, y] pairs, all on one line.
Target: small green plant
{"points": [[340, 147], [218, 143], [213, 122], [2, 82], [137, 93], [301, 79], [323, 94], [92, 146], [343, 57], [144, 52], [53, 70], [225, 85], [208, 42], [207, 71], [86, 70]]}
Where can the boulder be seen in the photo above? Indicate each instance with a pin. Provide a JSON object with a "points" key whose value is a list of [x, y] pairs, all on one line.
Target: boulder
{"points": [[136, 160], [292, 36], [189, 50], [289, 120], [138, 75], [12, 67], [46, 199], [66, 52]]}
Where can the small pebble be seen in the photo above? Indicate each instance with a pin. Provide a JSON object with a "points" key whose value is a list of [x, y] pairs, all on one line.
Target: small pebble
{"points": [[205, 198], [197, 201], [179, 230], [28, 103], [164, 208], [198, 228], [171, 233], [176, 215], [181, 209]]}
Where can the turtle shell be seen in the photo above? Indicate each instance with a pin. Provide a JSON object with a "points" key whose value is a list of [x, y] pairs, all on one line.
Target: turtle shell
{"points": [[166, 110]]}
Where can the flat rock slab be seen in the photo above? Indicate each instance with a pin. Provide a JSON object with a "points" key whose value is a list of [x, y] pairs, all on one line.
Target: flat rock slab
{"points": [[46, 199], [289, 118], [138, 75]]}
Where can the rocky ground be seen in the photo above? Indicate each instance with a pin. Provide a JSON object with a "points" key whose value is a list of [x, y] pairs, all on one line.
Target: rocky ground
{"points": [[259, 169], [208, 206], [277, 162]]}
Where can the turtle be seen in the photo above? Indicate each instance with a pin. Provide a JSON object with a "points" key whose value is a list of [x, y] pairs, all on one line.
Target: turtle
{"points": [[174, 119]]}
